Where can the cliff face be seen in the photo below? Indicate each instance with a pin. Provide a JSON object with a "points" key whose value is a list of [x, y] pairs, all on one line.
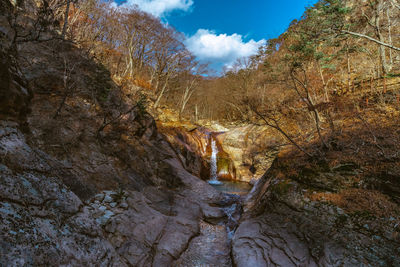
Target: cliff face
{"points": [[190, 144], [14, 93]]}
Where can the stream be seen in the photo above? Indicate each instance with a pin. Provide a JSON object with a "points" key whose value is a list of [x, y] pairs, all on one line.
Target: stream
{"points": [[233, 187], [212, 247]]}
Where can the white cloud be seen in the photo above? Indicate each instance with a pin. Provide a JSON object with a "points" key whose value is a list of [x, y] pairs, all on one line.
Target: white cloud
{"points": [[160, 7], [223, 48]]}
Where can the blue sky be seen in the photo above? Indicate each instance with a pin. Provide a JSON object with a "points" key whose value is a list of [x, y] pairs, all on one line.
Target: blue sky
{"points": [[220, 31]]}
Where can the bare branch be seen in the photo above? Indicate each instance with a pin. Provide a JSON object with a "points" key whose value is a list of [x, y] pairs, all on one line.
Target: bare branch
{"points": [[371, 39]]}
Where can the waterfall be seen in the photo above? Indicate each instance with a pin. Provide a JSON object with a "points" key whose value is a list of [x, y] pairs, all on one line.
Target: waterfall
{"points": [[213, 163]]}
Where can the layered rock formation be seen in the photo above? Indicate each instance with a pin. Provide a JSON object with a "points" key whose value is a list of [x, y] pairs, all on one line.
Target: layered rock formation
{"points": [[314, 218], [190, 143], [245, 152]]}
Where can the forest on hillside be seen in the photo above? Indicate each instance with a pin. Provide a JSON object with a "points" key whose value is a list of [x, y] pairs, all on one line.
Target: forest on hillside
{"points": [[338, 63]]}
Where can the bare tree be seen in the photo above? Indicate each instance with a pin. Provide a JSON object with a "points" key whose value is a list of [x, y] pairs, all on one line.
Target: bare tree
{"points": [[301, 87], [270, 118], [191, 79], [68, 83]]}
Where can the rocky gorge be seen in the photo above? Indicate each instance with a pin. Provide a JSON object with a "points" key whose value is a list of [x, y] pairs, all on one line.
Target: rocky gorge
{"points": [[79, 187], [95, 182]]}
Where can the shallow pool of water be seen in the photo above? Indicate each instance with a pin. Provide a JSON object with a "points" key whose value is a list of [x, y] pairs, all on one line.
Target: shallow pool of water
{"points": [[231, 187]]}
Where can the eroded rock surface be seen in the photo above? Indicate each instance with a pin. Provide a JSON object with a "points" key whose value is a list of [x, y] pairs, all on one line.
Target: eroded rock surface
{"points": [[43, 222], [210, 248], [282, 226]]}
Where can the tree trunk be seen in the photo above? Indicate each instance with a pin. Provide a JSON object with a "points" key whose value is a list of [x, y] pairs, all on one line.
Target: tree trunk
{"points": [[382, 54], [325, 89], [263, 95], [189, 90], [196, 118], [390, 37], [160, 95], [64, 30], [382, 49], [348, 66]]}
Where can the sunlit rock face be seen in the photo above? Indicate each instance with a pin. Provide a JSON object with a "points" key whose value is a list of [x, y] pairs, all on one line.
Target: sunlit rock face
{"points": [[244, 152], [224, 165], [251, 150], [190, 145]]}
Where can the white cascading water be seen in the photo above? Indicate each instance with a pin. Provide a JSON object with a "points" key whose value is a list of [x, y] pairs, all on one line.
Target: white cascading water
{"points": [[213, 163]]}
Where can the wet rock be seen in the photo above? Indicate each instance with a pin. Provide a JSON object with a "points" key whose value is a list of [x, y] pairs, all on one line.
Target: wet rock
{"points": [[123, 205], [213, 214], [107, 199], [253, 181], [208, 249], [99, 197]]}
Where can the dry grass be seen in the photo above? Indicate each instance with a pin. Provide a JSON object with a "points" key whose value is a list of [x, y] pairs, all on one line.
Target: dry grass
{"points": [[369, 140], [360, 200], [143, 83]]}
